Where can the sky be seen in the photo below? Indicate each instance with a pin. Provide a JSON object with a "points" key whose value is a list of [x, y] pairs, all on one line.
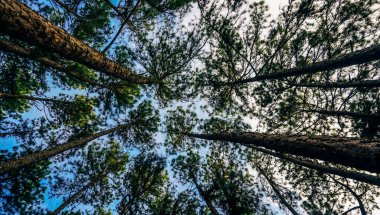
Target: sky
{"points": [[274, 10]]}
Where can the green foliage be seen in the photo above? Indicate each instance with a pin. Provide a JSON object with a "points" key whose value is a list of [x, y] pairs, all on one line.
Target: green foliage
{"points": [[144, 122], [143, 181], [20, 77], [78, 112], [168, 203], [22, 191], [222, 178], [179, 122], [97, 164], [94, 24], [214, 61]]}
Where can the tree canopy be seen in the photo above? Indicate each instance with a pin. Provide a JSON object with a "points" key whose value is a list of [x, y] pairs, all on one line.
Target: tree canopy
{"points": [[189, 107]]}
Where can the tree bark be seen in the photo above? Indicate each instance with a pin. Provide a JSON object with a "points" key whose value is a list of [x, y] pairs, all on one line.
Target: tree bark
{"points": [[358, 176], [19, 21], [357, 84], [204, 195], [278, 193], [357, 57], [77, 194], [345, 113], [24, 161], [29, 53], [353, 152]]}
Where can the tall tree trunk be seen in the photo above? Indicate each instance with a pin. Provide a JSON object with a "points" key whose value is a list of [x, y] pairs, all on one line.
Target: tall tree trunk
{"points": [[278, 192], [77, 194], [19, 21], [357, 84], [31, 98], [345, 113], [358, 176], [30, 159], [204, 195], [354, 152], [30, 53], [357, 57]]}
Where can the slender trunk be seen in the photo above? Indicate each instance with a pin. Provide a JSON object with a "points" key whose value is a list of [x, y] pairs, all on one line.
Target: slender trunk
{"points": [[29, 53], [30, 159], [114, 8], [277, 191], [31, 98], [354, 152], [362, 177], [349, 210], [357, 57], [77, 194], [19, 21], [345, 113], [357, 84], [126, 21], [204, 195], [357, 197], [115, 37]]}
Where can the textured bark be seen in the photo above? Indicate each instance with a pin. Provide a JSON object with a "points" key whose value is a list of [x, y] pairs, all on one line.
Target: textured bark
{"points": [[358, 176], [345, 113], [357, 84], [353, 152], [77, 194], [357, 57], [31, 98], [30, 159], [203, 195], [29, 53], [278, 192], [18, 21]]}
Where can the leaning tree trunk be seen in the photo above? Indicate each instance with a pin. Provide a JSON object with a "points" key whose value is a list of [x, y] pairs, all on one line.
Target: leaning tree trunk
{"points": [[77, 194], [353, 152], [19, 21], [351, 84], [29, 53], [33, 158], [344, 113], [278, 192], [357, 57], [345, 173], [204, 195]]}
